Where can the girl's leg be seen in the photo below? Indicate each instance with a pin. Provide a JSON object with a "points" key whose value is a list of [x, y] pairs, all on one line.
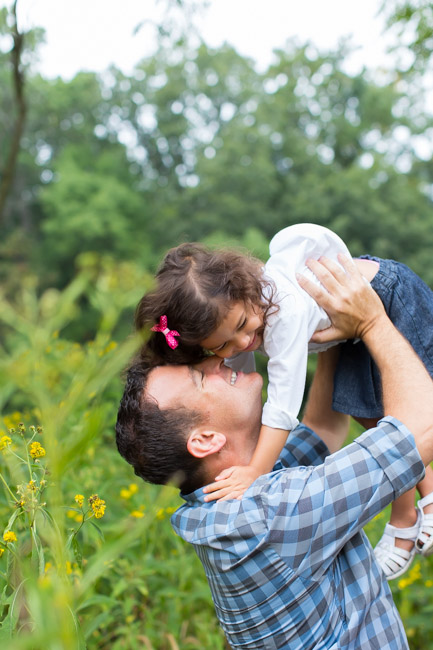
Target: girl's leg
{"points": [[404, 516], [403, 511], [425, 489], [425, 486]]}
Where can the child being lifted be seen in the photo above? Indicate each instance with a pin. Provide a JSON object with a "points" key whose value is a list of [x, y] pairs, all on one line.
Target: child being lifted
{"points": [[229, 304]]}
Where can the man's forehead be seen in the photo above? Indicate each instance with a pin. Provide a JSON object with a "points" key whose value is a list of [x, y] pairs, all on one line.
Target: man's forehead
{"points": [[167, 384]]}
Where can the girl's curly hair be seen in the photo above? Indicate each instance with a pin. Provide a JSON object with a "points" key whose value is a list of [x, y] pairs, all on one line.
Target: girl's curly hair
{"points": [[195, 286]]}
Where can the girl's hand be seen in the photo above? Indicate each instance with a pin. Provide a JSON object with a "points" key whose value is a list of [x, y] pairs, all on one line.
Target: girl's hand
{"points": [[231, 483]]}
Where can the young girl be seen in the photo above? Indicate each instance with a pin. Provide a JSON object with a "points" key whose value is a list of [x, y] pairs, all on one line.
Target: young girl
{"points": [[228, 304]]}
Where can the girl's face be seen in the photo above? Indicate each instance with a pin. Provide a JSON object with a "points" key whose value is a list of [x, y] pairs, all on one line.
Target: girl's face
{"points": [[241, 330]]}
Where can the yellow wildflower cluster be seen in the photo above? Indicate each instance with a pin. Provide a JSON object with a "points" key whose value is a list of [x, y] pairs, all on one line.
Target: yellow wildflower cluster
{"points": [[412, 576], [12, 419], [4, 442], [97, 505], [127, 493], [79, 498], [9, 536], [163, 512], [72, 514], [137, 514], [36, 450], [72, 568], [111, 346]]}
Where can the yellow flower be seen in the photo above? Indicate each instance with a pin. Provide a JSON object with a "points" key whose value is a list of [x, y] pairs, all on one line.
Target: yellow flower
{"points": [[111, 346], [9, 536], [97, 505], [36, 450], [1, 551], [13, 419], [4, 442], [32, 486], [137, 514], [160, 514], [68, 568], [79, 498], [133, 488], [125, 494]]}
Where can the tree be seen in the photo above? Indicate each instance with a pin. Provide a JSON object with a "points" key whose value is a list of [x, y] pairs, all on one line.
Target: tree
{"points": [[412, 22]]}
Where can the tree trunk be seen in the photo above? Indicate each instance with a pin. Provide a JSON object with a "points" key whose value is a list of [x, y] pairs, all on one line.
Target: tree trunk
{"points": [[8, 172]]}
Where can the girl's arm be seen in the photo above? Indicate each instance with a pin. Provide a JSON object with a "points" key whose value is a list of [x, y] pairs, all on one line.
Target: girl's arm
{"points": [[232, 482]]}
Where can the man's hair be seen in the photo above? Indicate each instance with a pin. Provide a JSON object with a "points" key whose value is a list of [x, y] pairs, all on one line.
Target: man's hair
{"points": [[195, 288], [154, 440]]}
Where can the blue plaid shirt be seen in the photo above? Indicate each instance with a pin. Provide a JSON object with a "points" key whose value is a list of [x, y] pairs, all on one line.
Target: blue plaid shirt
{"points": [[289, 565]]}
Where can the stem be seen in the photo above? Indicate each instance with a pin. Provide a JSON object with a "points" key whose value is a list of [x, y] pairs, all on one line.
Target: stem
{"points": [[81, 525], [8, 489], [16, 456], [28, 461]]}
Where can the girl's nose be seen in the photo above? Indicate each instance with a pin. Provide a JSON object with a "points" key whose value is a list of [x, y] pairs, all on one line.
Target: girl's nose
{"points": [[242, 341]]}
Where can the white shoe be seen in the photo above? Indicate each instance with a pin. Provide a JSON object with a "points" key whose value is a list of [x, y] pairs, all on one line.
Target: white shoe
{"points": [[424, 541], [394, 561]]}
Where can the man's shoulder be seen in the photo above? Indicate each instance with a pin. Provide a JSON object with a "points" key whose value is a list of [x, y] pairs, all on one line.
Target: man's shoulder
{"points": [[224, 523], [303, 447]]}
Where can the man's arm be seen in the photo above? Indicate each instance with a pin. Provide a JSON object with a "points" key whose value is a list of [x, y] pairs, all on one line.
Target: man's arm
{"points": [[356, 311], [329, 425]]}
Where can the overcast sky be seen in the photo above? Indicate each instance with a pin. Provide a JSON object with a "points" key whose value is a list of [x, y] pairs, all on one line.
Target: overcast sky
{"points": [[91, 34]]}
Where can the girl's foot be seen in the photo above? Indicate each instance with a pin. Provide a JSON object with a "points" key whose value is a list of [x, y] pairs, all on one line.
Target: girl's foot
{"points": [[396, 548]]}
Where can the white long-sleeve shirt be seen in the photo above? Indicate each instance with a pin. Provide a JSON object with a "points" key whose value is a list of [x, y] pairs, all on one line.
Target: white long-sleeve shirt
{"points": [[286, 339]]}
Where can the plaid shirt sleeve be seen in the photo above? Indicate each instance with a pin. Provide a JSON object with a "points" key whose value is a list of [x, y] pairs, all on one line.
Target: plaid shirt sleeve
{"points": [[326, 505]]}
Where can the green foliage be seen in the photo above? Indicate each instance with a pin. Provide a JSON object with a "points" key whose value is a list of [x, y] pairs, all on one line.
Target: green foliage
{"points": [[127, 581], [413, 18], [197, 142], [87, 210]]}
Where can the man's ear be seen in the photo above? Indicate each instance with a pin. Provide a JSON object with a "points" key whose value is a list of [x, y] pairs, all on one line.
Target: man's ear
{"points": [[203, 442]]}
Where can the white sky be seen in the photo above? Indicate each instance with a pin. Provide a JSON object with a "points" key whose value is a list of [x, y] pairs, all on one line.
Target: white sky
{"points": [[92, 34]]}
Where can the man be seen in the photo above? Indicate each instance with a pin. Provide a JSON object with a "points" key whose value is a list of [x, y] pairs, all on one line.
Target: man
{"points": [[288, 565]]}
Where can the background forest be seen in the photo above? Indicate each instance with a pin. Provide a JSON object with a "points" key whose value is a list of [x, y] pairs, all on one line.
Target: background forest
{"points": [[101, 174]]}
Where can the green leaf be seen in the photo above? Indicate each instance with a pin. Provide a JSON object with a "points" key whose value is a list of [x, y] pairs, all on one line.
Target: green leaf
{"points": [[77, 551], [101, 534], [97, 600], [16, 513]]}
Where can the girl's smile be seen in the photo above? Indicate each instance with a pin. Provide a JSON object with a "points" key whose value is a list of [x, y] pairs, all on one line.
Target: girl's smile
{"points": [[241, 330]]}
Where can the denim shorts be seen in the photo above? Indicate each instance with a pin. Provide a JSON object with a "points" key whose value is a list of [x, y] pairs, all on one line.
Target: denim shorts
{"points": [[408, 302]]}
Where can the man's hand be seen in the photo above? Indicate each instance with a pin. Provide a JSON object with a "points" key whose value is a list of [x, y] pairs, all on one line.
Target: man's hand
{"points": [[231, 483], [346, 296]]}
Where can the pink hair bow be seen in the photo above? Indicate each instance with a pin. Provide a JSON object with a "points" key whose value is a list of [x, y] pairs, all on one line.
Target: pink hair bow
{"points": [[169, 334]]}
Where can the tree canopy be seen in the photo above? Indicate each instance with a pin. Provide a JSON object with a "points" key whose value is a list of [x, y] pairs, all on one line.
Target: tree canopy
{"points": [[196, 144]]}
